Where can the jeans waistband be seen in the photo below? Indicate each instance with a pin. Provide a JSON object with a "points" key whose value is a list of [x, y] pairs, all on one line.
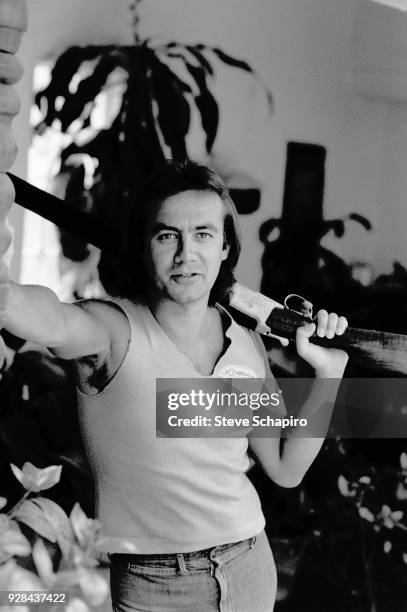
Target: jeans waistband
{"points": [[195, 554]]}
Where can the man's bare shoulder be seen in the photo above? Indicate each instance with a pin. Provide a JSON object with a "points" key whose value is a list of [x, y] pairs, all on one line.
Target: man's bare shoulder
{"points": [[106, 311]]}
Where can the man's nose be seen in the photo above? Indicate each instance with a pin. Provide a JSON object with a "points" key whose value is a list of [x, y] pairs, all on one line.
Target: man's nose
{"points": [[185, 251]]}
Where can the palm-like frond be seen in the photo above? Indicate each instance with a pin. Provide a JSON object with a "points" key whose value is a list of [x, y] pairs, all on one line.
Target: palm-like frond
{"points": [[66, 67], [206, 105], [338, 225], [89, 88], [362, 220], [173, 110], [241, 65], [168, 95]]}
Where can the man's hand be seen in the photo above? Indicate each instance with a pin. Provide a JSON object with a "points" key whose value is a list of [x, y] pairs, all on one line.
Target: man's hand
{"points": [[327, 363]]}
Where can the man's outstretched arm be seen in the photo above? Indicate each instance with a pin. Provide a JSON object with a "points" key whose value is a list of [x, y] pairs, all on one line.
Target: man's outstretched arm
{"points": [[35, 313]]}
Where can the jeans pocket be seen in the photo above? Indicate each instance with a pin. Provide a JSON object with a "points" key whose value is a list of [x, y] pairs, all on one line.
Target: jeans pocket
{"points": [[236, 550], [153, 569]]}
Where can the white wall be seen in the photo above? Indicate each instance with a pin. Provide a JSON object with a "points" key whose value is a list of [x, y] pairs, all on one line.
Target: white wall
{"points": [[392, 239], [380, 74], [304, 51], [380, 51]]}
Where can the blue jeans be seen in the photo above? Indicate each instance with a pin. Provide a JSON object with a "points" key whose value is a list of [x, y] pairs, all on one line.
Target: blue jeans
{"points": [[239, 577]]}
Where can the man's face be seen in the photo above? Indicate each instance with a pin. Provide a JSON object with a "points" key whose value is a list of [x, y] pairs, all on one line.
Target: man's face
{"points": [[185, 246]]}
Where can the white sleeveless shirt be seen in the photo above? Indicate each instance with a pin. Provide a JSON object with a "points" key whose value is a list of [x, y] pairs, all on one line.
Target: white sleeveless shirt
{"points": [[166, 495]]}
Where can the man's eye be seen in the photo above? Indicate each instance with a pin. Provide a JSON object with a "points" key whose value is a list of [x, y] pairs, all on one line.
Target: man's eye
{"points": [[204, 235], [167, 237]]}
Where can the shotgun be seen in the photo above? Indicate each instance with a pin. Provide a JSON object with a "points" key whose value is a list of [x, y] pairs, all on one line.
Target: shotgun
{"points": [[367, 348]]}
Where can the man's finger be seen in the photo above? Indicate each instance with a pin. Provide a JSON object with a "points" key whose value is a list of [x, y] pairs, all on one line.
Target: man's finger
{"points": [[342, 325], [322, 322], [332, 324]]}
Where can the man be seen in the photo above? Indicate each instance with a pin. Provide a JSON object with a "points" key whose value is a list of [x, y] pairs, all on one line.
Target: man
{"points": [[185, 505]]}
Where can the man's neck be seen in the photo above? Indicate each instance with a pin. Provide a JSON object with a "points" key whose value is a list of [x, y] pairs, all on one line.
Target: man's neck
{"points": [[183, 322]]}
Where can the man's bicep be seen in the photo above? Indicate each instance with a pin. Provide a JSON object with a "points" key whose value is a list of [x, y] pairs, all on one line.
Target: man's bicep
{"points": [[84, 332], [266, 451]]}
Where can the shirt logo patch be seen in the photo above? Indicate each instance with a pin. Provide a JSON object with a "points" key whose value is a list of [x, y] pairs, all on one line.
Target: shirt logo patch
{"points": [[236, 371]]}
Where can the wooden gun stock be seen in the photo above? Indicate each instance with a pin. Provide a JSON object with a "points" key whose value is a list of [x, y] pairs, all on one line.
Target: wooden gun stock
{"points": [[367, 348]]}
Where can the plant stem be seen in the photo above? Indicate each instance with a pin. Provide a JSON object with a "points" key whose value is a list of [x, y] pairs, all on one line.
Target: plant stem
{"points": [[366, 567], [134, 9], [18, 504]]}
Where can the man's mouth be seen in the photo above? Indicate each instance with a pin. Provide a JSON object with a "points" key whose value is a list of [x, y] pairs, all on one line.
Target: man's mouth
{"points": [[184, 276]]}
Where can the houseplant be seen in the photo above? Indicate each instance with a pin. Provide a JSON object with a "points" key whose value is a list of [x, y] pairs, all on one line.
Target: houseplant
{"points": [[45, 555]]}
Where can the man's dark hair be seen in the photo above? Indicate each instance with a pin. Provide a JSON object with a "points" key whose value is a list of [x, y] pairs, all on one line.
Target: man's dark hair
{"points": [[168, 180]]}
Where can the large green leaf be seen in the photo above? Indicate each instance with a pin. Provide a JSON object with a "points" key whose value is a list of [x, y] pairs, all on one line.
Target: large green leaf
{"points": [[173, 111], [12, 541], [140, 127], [242, 65], [337, 225], [75, 103], [59, 521], [66, 66], [32, 515], [206, 105], [362, 220], [198, 55], [194, 50], [229, 60]]}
